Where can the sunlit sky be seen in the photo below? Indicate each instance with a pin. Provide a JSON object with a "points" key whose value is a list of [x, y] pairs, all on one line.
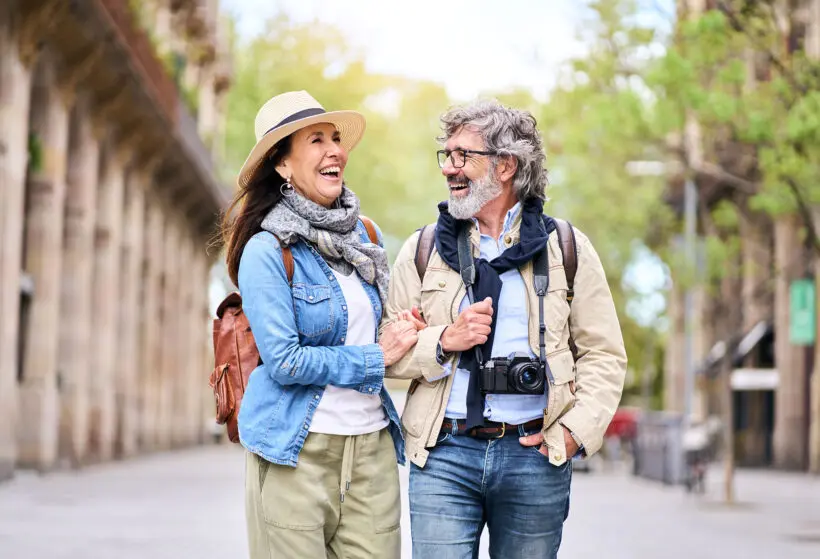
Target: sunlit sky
{"points": [[470, 46]]}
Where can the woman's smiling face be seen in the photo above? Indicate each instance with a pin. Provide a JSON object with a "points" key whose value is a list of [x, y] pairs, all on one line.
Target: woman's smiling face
{"points": [[316, 163]]}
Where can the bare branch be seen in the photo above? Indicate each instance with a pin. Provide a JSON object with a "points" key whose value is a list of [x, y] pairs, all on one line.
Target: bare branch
{"points": [[805, 213], [738, 25], [724, 176]]}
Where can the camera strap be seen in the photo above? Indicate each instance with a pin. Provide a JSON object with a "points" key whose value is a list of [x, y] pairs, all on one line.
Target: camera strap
{"points": [[467, 270], [541, 282]]}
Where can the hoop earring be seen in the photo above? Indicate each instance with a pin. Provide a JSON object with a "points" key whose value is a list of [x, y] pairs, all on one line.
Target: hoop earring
{"points": [[286, 189]]}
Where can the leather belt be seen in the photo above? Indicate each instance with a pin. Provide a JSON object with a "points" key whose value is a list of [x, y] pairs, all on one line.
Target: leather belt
{"points": [[491, 429]]}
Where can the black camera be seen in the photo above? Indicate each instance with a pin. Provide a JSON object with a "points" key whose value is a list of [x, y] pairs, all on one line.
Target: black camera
{"points": [[517, 374]]}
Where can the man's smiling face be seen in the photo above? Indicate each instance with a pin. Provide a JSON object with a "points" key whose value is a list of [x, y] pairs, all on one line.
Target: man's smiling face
{"points": [[474, 184]]}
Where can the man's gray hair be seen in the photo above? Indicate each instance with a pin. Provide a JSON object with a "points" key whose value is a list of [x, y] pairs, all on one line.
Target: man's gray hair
{"points": [[505, 131]]}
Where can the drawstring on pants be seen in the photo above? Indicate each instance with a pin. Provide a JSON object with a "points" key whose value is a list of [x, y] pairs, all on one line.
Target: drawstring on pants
{"points": [[347, 466]]}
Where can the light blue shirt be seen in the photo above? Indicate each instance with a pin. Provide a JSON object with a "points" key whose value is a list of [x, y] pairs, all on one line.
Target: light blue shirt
{"points": [[511, 335]]}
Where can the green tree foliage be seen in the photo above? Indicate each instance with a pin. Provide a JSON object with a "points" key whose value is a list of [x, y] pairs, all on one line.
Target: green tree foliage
{"points": [[599, 119], [742, 71]]}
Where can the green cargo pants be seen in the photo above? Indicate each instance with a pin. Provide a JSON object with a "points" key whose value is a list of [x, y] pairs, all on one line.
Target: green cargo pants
{"points": [[341, 502]]}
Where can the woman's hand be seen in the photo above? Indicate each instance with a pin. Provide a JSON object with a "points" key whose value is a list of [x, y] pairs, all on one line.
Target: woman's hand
{"points": [[397, 339], [414, 316]]}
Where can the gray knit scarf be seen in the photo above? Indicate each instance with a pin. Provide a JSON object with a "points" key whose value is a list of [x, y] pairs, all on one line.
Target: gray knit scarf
{"points": [[333, 232]]}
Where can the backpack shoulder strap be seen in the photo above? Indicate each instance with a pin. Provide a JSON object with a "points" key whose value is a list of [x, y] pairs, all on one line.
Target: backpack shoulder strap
{"points": [[287, 260], [566, 240], [424, 248], [371, 229]]}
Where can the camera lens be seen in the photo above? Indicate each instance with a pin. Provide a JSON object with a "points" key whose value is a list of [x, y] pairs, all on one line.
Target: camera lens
{"points": [[528, 378]]}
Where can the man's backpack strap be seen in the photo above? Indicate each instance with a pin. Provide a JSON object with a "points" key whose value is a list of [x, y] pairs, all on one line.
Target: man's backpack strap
{"points": [[566, 240], [569, 250], [424, 248]]}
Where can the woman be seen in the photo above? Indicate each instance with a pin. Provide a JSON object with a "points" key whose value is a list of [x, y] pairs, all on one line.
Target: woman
{"points": [[321, 433]]}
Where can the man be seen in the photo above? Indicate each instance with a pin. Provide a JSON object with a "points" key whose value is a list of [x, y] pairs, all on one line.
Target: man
{"points": [[498, 405]]}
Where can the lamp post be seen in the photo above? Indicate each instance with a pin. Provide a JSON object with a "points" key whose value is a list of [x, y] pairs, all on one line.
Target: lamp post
{"points": [[690, 209]]}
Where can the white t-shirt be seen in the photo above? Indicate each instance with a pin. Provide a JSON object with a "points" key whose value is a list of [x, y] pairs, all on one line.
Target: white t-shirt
{"points": [[344, 411]]}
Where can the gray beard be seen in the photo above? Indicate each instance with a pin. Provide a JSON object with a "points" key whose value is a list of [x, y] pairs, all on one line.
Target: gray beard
{"points": [[482, 191]]}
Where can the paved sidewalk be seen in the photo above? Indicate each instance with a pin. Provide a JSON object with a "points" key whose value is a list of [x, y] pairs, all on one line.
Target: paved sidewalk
{"points": [[189, 504]]}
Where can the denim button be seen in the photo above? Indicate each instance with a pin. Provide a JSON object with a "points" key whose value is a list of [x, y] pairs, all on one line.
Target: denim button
{"points": [[307, 426], [330, 277], [344, 307], [370, 390], [316, 397], [343, 339]]}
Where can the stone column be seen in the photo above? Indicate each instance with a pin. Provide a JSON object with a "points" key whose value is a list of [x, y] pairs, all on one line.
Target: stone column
{"points": [[108, 235], [150, 322], [199, 367], [76, 303], [131, 285], [184, 329], [170, 332], [39, 403], [790, 421], [15, 81]]}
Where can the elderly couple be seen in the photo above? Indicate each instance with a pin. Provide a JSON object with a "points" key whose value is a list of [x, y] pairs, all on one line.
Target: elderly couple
{"points": [[516, 365]]}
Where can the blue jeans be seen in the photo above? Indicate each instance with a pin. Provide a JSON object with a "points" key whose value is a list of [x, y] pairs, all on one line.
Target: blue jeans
{"points": [[467, 482]]}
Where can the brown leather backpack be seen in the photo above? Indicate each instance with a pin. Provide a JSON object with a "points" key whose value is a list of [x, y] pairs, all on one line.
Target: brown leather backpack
{"points": [[235, 351]]}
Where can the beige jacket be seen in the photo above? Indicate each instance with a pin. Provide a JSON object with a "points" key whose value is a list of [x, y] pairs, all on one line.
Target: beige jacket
{"points": [[586, 393]]}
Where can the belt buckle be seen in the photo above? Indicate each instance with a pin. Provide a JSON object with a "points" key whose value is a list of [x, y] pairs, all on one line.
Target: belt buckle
{"points": [[503, 431]]}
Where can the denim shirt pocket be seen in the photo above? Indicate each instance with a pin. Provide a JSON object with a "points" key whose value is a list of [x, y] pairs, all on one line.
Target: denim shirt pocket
{"points": [[313, 309]]}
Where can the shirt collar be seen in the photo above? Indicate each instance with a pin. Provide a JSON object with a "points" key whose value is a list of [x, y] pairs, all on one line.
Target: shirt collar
{"points": [[509, 219]]}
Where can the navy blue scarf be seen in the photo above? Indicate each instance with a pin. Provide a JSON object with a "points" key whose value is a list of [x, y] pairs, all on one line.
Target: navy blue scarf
{"points": [[535, 229]]}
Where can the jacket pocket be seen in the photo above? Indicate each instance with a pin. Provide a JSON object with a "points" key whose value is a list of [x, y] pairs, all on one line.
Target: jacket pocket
{"points": [[562, 392], [556, 308], [313, 309], [434, 289], [419, 406]]}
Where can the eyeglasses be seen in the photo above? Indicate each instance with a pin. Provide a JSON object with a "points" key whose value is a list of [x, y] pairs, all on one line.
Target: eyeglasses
{"points": [[458, 157]]}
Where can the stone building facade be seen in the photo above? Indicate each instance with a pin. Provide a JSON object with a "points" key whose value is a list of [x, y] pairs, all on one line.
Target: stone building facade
{"points": [[108, 198], [773, 383]]}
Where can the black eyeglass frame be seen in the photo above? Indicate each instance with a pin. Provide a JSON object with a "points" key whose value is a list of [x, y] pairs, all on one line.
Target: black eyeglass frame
{"points": [[466, 152]]}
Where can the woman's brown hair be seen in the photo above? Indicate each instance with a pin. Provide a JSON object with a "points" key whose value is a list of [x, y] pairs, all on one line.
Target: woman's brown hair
{"points": [[253, 203]]}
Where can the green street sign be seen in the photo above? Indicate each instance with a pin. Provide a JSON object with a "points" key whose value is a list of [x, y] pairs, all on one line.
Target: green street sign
{"points": [[802, 312]]}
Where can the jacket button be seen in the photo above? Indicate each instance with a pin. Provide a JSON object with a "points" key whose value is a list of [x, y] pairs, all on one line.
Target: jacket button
{"points": [[507, 240], [370, 390], [343, 339], [442, 283], [557, 456], [344, 307], [310, 297]]}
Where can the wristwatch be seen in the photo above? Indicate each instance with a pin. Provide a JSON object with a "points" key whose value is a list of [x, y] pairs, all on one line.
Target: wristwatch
{"points": [[441, 357]]}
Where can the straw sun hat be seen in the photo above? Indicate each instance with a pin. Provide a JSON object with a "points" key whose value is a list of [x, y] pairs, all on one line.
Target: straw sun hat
{"points": [[285, 114]]}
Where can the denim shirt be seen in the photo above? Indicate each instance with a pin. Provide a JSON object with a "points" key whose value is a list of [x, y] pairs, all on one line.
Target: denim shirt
{"points": [[300, 331], [511, 335]]}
